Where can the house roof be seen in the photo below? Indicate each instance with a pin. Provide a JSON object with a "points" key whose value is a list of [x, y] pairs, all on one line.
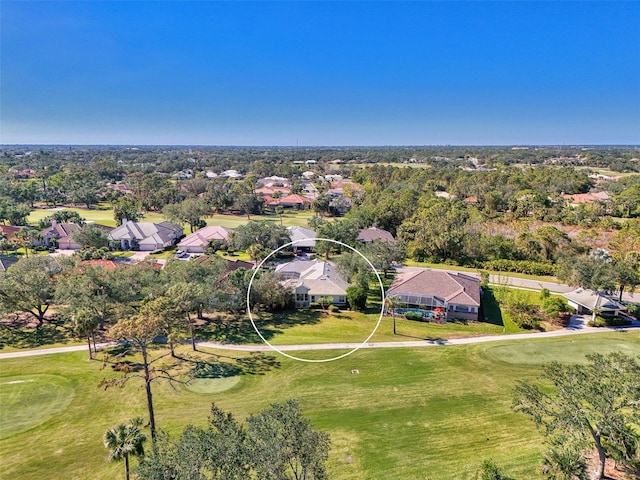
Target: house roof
{"points": [[304, 236], [267, 190], [593, 300], [452, 287], [6, 261], [374, 233], [202, 237], [321, 278], [295, 199], [105, 264], [60, 230], [146, 232], [587, 197], [9, 231]]}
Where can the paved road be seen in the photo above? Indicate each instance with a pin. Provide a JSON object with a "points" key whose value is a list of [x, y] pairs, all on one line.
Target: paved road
{"points": [[577, 326]]}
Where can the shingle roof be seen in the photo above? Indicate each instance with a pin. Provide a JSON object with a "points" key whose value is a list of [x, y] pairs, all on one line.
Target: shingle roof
{"points": [[9, 231], [374, 233], [202, 237], [295, 199], [321, 278], [6, 261], [452, 287], [304, 236], [146, 232], [593, 300]]}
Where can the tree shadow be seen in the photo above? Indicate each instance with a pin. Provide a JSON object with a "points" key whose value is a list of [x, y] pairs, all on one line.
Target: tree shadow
{"points": [[20, 336], [223, 366], [238, 329], [490, 308]]}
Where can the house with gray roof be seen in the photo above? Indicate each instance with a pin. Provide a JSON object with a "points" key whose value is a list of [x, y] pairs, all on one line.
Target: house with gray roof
{"points": [[373, 234], [198, 241], [587, 301], [7, 261], [454, 294], [145, 236], [305, 238], [311, 281]]}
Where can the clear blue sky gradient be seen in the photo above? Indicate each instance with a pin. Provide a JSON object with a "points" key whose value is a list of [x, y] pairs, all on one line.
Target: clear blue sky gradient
{"points": [[320, 73]]}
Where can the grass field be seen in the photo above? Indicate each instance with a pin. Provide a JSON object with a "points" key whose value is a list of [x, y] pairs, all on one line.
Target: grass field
{"points": [[103, 213], [408, 414]]}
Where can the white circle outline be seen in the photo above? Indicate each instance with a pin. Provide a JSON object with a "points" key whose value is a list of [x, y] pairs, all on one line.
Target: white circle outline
{"points": [[293, 357]]}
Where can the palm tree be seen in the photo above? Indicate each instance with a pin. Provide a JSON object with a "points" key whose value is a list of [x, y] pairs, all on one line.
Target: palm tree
{"points": [[124, 440], [390, 305], [564, 463]]}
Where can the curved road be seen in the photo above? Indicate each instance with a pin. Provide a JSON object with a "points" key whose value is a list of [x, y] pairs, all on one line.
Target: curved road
{"points": [[576, 327]]}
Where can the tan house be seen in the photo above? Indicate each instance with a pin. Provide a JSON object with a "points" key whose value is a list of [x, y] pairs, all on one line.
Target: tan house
{"points": [[312, 281], [60, 235], [454, 294]]}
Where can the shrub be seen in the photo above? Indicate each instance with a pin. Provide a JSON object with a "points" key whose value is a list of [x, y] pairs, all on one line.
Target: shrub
{"points": [[413, 316], [334, 308], [357, 297], [521, 266]]}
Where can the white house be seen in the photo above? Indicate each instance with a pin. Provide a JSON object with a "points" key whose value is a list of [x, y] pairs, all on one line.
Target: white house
{"points": [[198, 241], [145, 236]]}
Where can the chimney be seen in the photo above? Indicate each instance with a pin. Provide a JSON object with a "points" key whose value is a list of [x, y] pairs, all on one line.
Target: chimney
{"points": [[54, 223]]}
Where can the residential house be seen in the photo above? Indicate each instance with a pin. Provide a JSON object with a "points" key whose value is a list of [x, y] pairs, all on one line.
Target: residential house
{"points": [[313, 281], [373, 234], [590, 302], [7, 261], [456, 295], [305, 239], [198, 241], [295, 201], [592, 197], [145, 236], [59, 235]]}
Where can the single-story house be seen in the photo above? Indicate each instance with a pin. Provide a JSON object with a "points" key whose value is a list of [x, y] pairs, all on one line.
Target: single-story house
{"points": [[454, 294], [295, 201], [198, 241], [588, 302], [145, 236], [311, 281], [7, 261], [373, 234], [591, 197], [59, 235], [306, 238]]}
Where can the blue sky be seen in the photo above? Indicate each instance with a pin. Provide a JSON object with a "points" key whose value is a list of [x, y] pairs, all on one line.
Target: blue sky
{"points": [[319, 73]]}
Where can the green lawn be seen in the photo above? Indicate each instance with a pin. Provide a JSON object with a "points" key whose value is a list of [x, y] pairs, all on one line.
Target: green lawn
{"points": [[408, 414], [103, 213]]}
